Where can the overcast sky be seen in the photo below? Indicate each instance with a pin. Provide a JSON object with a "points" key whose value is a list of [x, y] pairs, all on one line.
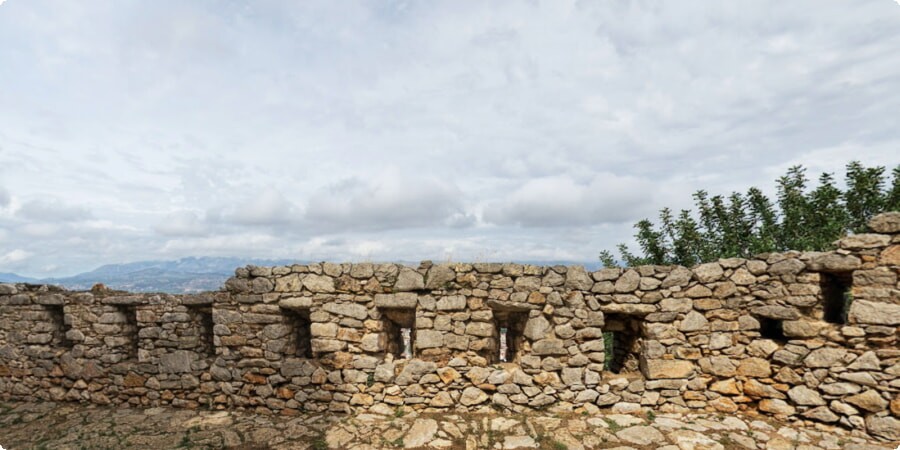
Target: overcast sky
{"points": [[406, 130]]}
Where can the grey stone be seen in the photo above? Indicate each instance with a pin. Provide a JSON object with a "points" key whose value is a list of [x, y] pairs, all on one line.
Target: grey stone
{"points": [[453, 302], [578, 278], [694, 321], [628, 282], [708, 273], [409, 280], [178, 361], [805, 396], [318, 283], [548, 347], [397, 300], [472, 396], [353, 310], [888, 222], [874, 313]]}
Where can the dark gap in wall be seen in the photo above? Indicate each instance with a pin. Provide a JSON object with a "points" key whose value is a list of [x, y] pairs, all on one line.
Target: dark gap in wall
{"points": [[772, 329], [58, 321], [836, 295], [299, 339], [399, 327], [622, 343], [509, 328], [201, 315], [129, 327]]}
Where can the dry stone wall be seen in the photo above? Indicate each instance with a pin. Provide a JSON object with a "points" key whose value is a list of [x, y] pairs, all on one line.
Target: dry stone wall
{"points": [[811, 336]]}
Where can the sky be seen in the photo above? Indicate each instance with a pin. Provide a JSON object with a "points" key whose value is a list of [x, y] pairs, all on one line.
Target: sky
{"points": [[413, 130]]}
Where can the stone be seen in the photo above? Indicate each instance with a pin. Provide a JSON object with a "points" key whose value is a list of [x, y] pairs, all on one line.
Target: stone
{"points": [[577, 278], [429, 339], [472, 396], [708, 273], [641, 435], [295, 303], [178, 361], [885, 427], [821, 414], [628, 282], [353, 310], [409, 280], [776, 406], [874, 313], [654, 369], [789, 266], [890, 256], [397, 300], [516, 442], [693, 321], [450, 303], [776, 312], [318, 283], [869, 400], [887, 222], [864, 241], [420, 433], [754, 367], [805, 396], [834, 262], [439, 276], [693, 440], [824, 357], [548, 347]]}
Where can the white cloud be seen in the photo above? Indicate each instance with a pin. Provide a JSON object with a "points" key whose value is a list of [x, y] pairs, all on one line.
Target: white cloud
{"points": [[181, 223], [52, 210], [14, 256], [561, 201]]}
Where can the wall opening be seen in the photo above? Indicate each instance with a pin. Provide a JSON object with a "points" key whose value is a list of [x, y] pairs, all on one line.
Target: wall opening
{"points": [[622, 343], [509, 328], [772, 329], [201, 317], [836, 295], [60, 327], [299, 339], [398, 325], [128, 330]]}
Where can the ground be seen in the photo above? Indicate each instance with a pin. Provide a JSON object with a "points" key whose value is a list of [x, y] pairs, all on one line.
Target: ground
{"points": [[74, 426]]}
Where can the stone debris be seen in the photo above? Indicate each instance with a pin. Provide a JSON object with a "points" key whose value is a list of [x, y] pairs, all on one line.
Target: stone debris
{"points": [[74, 426]]}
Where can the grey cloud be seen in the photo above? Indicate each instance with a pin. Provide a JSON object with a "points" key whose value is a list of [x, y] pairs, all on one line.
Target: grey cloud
{"points": [[52, 211], [268, 207], [181, 223], [389, 201], [4, 197], [561, 201]]}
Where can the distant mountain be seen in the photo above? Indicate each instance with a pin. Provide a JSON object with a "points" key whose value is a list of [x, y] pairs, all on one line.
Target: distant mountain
{"points": [[13, 278], [192, 274]]}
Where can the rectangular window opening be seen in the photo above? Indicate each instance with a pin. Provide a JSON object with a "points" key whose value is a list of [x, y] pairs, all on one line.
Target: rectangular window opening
{"points": [[128, 330], [299, 342], [202, 317], [772, 329], [509, 326], [60, 327], [621, 343], [398, 325], [836, 296]]}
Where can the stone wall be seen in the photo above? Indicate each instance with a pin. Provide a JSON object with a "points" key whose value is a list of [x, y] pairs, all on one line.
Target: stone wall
{"points": [[776, 334]]}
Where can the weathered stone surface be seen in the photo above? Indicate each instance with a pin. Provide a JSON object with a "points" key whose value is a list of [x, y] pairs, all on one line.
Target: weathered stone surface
{"points": [[864, 241], [548, 347], [805, 396], [834, 262], [439, 276], [885, 427], [409, 280], [397, 300], [869, 400], [887, 222], [874, 313], [708, 273], [420, 433], [353, 310], [776, 406], [319, 283], [628, 282], [472, 396], [654, 369], [825, 357], [641, 435], [178, 361], [754, 367], [694, 321], [777, 312], [578, 278]]}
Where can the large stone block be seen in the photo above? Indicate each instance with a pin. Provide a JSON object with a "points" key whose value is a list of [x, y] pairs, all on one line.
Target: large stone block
{"points": [[874, 313], [655, 369]]}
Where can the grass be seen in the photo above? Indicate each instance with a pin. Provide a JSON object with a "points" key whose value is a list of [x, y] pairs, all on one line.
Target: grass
{"points": [[614, 427]]}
